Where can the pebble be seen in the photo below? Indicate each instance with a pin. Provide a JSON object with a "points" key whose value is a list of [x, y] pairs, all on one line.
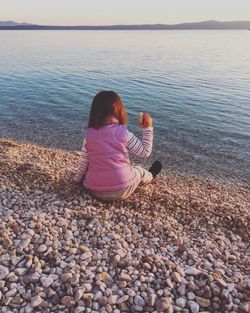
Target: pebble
{"points": [[221, 283], [245, 307], [164, 303], [106, 278], [36, 301], [152, 299], [46, 281], [88, 296], [194, 307], [125, 277], [137, 308], [66, 277], [177, 277], [182, 246], [11, 293], [112, 299], [20, 271], [131, 292], [78, 295], [86, 255], [190, 295], [122, 299], [102, 300], [169, 283], [138, 300], [182, 290], [2, 283], [4, 271], [68, 235], [192, 271], [204, 303], [80, 309], [87, 287], [41, 249], [181, 302], [68, 301]]}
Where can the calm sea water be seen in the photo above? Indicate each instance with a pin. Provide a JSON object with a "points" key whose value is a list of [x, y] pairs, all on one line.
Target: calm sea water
{"points": [[195, 84]]}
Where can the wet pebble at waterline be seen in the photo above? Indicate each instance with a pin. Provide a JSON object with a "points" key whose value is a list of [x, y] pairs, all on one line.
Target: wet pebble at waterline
{"points": [[178, 245]]}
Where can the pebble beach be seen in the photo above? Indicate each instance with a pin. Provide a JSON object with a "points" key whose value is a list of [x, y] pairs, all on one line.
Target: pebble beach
{"points": [[180, 244]]}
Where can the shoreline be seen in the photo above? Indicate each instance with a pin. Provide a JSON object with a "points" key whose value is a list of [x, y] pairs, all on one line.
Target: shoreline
{"points": [[179, 244], [146, 162]]}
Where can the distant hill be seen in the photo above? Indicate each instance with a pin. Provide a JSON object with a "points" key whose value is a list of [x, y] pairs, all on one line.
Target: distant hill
{"points": [[9, 25], [12, 24]]}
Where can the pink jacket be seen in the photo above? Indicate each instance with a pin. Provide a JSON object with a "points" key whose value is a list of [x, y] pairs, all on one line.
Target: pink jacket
{"points": [[109, 166]]}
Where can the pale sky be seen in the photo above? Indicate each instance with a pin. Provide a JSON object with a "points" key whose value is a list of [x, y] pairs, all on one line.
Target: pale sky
{"points": [[110, 12]]}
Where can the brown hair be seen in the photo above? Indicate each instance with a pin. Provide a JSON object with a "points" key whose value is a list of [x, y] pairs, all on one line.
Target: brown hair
{"points": [[104, 105]]}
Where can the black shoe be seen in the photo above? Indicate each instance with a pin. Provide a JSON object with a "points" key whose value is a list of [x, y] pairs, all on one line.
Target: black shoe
{"points": [[155, 168]]}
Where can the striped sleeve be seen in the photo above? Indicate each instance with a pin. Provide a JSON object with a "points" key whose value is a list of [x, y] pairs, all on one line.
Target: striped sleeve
{"points": [[141, 148], [83, 162]]}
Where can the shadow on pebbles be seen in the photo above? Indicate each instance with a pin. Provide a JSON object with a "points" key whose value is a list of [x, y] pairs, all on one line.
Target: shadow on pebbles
{"points": [[180, 244]]}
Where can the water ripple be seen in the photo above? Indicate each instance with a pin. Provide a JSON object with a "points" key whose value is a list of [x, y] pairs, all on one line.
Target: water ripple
{"points": [[195, 84]]}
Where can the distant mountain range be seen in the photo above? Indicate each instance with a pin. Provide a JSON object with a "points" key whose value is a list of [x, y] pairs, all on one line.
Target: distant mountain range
{"points": [[10, 25]]}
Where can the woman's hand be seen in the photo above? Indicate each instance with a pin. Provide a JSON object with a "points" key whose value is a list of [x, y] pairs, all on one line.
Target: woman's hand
{"points": [[74, 177], [145, 120], [77, 179]]}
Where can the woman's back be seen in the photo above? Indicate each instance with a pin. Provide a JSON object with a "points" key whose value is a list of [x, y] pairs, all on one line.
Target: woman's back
{"points": [[109, 165]]}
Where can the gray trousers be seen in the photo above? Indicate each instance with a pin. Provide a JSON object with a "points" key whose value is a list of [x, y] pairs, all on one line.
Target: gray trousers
{"points": [[144, 177]]}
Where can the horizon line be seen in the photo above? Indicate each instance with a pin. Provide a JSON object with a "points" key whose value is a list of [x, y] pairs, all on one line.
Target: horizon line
{"points": [[133, 24]]}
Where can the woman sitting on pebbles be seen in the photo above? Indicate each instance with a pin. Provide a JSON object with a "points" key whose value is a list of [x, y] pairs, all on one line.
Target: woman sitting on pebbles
{"points": [[104, 164]]}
